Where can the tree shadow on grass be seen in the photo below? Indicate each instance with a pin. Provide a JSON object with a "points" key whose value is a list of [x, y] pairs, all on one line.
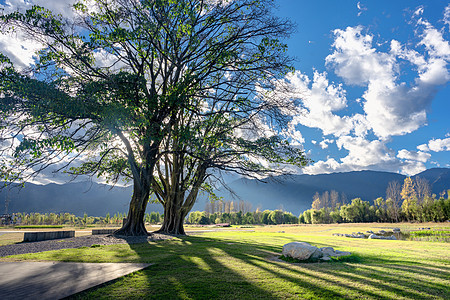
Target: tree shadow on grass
{"points": [[196, 267], [404, 284]]}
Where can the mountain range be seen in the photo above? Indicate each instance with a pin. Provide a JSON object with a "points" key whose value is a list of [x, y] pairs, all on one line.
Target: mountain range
{"points": [[292, 193], [76, 197]]}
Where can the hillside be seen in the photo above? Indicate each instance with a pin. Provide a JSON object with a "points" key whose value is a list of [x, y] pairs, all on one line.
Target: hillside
{"points": [[292, 193], [439, 179], [76, 198]]}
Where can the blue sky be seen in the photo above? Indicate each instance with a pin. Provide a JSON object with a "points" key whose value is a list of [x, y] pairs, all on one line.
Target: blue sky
{"points": [[389, 62], [372, 78]]}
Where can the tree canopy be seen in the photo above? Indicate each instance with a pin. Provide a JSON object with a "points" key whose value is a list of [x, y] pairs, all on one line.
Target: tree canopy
{"points": [[147, 90]]}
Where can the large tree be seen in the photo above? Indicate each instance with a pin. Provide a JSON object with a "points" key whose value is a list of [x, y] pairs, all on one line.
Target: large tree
{"points": [[109, 85], [202, 142]]}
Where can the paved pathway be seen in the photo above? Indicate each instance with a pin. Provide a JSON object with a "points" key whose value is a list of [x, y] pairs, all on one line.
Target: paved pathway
{"points": [[55, 280]]}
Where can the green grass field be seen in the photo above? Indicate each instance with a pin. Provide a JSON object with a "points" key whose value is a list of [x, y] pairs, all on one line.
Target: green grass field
{"points": [[228, 264]]}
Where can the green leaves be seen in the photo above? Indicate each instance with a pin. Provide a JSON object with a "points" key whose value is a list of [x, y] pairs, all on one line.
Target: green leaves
{"points": [[37, 147]]}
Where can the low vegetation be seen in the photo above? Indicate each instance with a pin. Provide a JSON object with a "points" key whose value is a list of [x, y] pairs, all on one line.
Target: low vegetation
{"points": [[268, 217], [430, 235], [28, 220], [38, 226], [245, 264]]}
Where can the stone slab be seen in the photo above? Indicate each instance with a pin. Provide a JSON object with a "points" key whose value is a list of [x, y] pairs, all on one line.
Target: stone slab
{"points": [[103, 231], [56, 280], [47, 235]]}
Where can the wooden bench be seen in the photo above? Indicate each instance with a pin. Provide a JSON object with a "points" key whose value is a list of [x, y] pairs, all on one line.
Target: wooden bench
{"points": [[47, 235]]}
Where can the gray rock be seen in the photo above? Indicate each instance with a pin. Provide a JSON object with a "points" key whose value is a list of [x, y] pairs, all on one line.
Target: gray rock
{"points": [[299, 250], [317, 254], [327, 251], [379, 237], [396, 229], [341, 253], [359, 236], [325, 258]]}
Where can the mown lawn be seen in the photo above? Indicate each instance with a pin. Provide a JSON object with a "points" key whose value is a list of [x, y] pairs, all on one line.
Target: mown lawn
{"points": [[244, 265]]}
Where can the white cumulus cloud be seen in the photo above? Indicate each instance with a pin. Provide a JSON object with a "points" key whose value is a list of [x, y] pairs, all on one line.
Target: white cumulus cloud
{"points": [[319, 100], [414, 155], [438, 145], [392, 107]]}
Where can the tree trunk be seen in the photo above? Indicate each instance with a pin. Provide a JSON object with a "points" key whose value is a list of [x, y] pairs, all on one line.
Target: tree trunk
{"points": [[134, 225], [176, 206], [173, 222]]}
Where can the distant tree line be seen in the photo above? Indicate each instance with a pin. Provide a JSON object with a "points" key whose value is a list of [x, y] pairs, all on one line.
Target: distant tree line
{"points": [[412, 202], [268, 217], [72, 220], [238, 213], [219, 211]]}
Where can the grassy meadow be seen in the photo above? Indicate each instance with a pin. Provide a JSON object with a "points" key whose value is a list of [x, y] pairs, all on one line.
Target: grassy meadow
{"points": [[243, 263]]}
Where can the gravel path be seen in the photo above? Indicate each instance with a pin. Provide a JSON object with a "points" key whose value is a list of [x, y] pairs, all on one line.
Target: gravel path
{"points": [[77, 242]]}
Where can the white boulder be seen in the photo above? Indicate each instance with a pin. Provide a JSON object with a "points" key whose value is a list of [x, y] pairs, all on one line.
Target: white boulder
{"points": [[304, 251], [299, 250]]}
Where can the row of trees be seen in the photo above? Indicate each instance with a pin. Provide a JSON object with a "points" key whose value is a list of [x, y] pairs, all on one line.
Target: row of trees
{"points": [[411, 201], [72, 220], [156, 92], [268, 217], [431, 210], [220, 206], [330, 199]]}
